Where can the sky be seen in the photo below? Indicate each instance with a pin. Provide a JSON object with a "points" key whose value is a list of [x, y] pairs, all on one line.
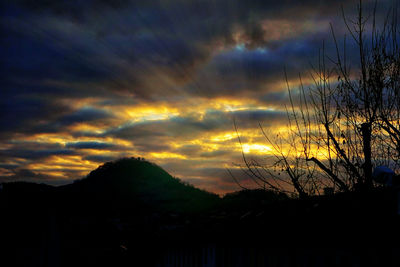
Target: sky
{"points": [[86, 82]]}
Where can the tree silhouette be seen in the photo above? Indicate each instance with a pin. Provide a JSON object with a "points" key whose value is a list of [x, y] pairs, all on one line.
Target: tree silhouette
{"points": [[345, 123]]}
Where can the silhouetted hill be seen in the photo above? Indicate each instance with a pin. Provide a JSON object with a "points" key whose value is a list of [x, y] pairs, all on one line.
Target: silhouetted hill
{"points": [[132, 182]]}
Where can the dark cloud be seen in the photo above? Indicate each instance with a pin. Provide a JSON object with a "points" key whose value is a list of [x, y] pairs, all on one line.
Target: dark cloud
{"points": [[22, 174], [90, 145], [35, 114], [152, 145], [85, 115], [275, 98], [190, 150], [215, 153], [99, 158], [132, 131], [197, 9], [71, 8], [242, 72], [253, 116], [34, 150], [129, 45], [34, 154], [198, 151], [24, 114], [8, 166]]}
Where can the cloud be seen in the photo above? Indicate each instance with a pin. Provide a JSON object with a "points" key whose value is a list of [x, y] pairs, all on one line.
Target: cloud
{"points": [[22, 114], [34, 154], [192, 126], [8, 166], [133, 45], [28, 175], [114, 78], [89, 145], [86, 114], [99, 158], [216, 153], [35, 114]]}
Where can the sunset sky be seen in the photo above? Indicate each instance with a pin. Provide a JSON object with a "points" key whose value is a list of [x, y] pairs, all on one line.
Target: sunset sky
{"points": [[85, 82]]}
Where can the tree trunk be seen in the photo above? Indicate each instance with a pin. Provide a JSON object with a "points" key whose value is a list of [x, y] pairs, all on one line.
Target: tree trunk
{"points": [[366, 135]]}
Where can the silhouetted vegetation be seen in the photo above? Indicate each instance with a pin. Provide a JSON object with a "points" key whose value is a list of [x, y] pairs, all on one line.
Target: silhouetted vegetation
{"points": [[254, 199], [347, 121], [132, 213]]}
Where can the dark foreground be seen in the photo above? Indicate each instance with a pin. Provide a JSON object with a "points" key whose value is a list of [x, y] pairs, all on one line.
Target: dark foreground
{"points": [[82, 225], [304, 236]]}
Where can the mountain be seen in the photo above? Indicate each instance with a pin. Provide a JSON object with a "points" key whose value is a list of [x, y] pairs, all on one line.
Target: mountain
{"points": [[128, 183], [134, 182]]}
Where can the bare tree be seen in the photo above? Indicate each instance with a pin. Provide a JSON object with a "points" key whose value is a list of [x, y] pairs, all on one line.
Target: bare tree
{"points": [[348, 121]]}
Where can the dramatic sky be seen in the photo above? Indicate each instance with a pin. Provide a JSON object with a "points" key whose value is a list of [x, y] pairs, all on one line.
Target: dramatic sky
{"points": [[85, 82]]}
